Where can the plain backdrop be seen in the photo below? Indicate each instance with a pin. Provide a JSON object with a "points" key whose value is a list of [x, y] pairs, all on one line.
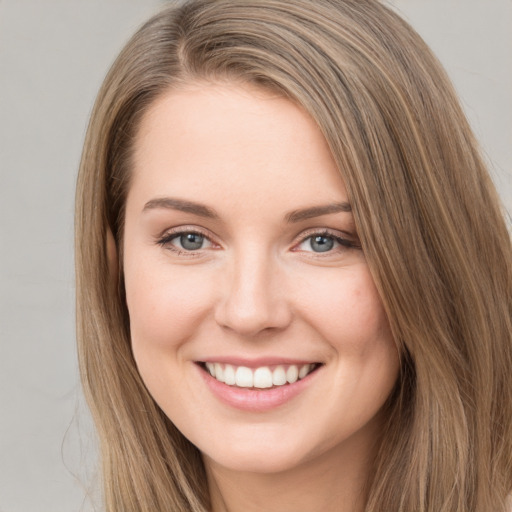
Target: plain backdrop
{"points": [[53, 57]]}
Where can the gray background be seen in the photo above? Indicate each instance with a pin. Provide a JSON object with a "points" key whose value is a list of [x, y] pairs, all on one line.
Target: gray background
{"points": [[53, 56]]}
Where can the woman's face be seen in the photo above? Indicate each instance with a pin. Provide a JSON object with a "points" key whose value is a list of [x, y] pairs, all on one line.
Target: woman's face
{"points": [[241, 259]]}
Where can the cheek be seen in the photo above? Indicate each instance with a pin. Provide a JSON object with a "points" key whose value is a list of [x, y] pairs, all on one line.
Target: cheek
{"points": [[164, 304], [346, 308]]}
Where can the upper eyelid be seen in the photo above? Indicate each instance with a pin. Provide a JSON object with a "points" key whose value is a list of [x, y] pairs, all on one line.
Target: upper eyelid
{"points": [[335, 233], [179, 230], [165, 239], [344, 239]]}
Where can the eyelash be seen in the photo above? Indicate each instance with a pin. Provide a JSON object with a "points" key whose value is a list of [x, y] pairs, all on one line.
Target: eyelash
{"points": [[165, 241], [167, 238], [345, 243]]}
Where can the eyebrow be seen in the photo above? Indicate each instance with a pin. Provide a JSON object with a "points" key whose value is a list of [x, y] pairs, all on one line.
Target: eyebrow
{"points": [[201, 210], [317, 211], [182, 205]]}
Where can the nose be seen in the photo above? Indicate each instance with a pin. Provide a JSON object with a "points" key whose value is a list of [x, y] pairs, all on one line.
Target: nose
{"points": [[253, 296]]}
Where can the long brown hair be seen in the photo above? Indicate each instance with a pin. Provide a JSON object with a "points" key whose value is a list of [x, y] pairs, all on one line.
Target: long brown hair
{"points": [[427, 215]]}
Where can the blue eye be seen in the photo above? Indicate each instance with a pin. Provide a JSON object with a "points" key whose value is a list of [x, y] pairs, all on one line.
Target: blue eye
{"points": [[319, 243], [191, 241], [186, 241], [325, 242]]}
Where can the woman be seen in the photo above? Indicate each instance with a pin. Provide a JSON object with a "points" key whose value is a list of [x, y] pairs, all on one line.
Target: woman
{"points": [[294, 277]]}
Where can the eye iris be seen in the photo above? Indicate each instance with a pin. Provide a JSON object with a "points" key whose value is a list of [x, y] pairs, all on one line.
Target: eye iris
{"points": [[322, 243], [191, 241]]}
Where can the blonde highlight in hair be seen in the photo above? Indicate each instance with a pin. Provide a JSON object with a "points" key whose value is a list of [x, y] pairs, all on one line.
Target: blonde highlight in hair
{"points": [[427, 215]]}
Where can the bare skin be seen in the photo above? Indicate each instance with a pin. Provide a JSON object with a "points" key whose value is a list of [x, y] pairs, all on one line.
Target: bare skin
{"points": [[240, 250]]}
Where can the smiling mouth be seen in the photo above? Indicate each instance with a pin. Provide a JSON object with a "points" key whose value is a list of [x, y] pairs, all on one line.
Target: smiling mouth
{"points": [[263, 377]]}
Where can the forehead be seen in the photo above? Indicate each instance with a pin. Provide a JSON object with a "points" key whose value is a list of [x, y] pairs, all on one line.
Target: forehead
{"points": [[234, 141]]}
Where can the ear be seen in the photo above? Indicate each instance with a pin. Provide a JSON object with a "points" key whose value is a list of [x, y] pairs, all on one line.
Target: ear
{"points": [[112, 259]]}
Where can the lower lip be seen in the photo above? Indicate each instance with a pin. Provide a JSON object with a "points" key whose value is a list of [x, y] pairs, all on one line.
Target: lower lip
{"points": [[256, 400]]}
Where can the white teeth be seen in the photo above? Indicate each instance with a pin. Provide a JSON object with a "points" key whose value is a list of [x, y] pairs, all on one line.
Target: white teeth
{"points": [[304, 370], [279, 376], [229, 375], [219, 372], [292, 374], [211, 368], [244, 377], [262, 377]]}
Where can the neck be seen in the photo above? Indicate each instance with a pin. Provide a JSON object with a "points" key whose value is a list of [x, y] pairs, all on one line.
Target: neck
{"points": [[333, 481]]}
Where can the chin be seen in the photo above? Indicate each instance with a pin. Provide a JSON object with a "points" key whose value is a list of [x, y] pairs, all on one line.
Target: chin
{"points": [[255, 462], [270, 456]]}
